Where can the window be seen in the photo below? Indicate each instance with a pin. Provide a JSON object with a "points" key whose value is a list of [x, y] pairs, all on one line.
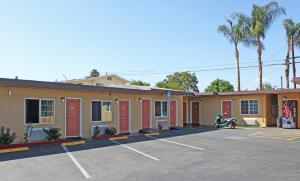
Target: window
{"points": [[101, 111], [161, 108], [96, 111], [249, 107], [107, 106], [39, 111]]}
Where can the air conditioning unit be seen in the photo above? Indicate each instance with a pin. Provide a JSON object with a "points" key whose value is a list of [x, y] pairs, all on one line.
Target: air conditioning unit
{"points": [[101, 127], [163, 123], [250, 121], [37, 134]]}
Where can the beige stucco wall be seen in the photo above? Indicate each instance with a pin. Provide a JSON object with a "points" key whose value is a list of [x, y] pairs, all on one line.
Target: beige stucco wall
{"points": [[12, 108], [289, 96], [210, 105]]}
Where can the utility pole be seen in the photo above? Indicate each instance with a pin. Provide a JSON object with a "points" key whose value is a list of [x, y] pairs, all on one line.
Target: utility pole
{"points": [[293, 61], [281, 82]]}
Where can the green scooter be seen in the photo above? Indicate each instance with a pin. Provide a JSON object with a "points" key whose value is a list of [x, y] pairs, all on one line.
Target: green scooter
{"points": [[229, 122]]}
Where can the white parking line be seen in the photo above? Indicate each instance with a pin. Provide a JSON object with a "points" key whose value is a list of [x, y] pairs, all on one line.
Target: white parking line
{"points": [[233, 137], [255, 133], [137, 151], [173, 142], [83, 171]]}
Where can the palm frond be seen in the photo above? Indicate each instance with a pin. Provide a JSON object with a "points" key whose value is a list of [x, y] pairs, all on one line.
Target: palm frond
{"points": [[227, 32], [264, 16]]}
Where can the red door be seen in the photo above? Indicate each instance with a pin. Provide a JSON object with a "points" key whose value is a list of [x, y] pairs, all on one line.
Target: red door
{"points": [[195, 112], [72, 117], [226, 109], [124, 116], [184, 113], [146, 113], [173, 114]]}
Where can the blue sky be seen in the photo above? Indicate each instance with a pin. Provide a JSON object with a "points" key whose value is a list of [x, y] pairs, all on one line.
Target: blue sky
{"points": [[138, 39]]}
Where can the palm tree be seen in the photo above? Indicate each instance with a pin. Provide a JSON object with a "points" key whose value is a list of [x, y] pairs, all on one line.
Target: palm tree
{"points": [[293, 35], [262, 18], [236, 31]]}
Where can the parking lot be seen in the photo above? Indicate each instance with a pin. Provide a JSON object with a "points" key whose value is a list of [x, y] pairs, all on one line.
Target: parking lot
{"points": [[188, 154]]}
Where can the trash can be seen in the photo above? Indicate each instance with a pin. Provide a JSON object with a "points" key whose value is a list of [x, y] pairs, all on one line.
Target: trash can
{"points": [[279, 122]]}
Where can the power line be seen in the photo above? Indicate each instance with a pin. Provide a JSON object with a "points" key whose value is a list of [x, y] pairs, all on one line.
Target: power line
{"points": [[208, 70], [154, 71]]}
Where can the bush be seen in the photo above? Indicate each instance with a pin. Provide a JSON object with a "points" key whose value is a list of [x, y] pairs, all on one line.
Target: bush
{"points": [[110, 131], [6, 137], [53, 134]]}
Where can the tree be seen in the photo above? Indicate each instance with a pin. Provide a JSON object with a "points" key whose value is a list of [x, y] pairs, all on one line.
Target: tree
{"points": [[94, 73], [292, 33], [139, 82], [184, 81], [262, 18], [220, 85], [237, 31], [268, 86]]}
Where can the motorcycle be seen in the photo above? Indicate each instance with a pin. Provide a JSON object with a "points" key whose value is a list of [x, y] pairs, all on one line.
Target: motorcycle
{"points": [[229, 122]]}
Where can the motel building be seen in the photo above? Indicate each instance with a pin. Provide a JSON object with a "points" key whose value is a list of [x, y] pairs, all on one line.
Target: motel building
{"points": [[76, 107]]}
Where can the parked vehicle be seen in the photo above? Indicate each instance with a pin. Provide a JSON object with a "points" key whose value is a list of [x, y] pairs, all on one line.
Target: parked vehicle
{"points": [[222, 123]]}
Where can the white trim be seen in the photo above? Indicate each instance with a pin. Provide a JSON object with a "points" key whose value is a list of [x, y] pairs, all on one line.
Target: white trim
{"points": [[191, 111], [39, 99], [91, 110], [129, 115], [80, 117], [161, 109], [258, 112], [150, 112], [230, 106]]}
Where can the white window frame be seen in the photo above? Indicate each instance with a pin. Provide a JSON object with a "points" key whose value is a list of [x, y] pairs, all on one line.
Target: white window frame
{"points": [[40, 110], [101, 100], [161, 108], [248, 100]]}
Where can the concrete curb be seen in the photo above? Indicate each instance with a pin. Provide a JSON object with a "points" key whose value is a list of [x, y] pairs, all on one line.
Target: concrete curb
{"points": [[11, 150], [152, 134], [118, 138], [73, 143]]}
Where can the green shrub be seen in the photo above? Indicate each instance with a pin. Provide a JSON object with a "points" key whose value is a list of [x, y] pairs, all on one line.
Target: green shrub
{"points": [[52, 134], [110, 131], [6, 137]]}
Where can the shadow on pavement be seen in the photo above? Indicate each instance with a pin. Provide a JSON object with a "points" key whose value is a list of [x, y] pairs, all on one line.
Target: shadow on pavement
{"points": [[44, 150]]}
